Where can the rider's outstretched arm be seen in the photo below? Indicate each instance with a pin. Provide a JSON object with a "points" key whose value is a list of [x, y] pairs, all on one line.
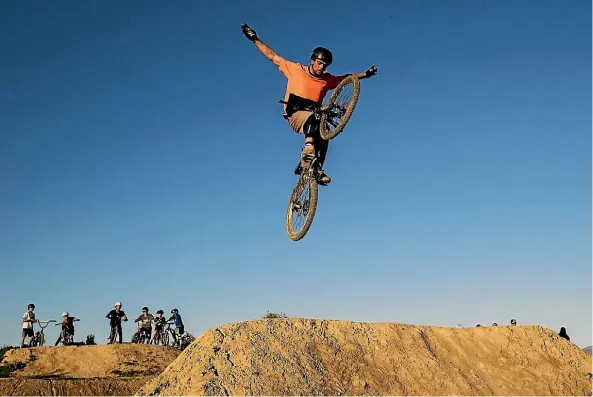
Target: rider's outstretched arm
{"points": [[265, 49], [364, 75], [268, 52]]}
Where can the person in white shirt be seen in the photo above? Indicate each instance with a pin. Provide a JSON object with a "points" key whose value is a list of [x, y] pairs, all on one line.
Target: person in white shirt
{"points": [[28, 321]]}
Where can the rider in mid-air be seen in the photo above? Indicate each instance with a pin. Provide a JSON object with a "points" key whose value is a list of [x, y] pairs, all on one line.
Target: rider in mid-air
{"points": [[307, 85]]}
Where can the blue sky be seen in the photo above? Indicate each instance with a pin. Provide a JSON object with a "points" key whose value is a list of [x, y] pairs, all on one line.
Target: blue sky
{"points": [[143, 158]]}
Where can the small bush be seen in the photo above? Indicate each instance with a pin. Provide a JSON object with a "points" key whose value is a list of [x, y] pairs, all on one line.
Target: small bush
{"points": [[274, 315], [5, 370], [90, 339]]}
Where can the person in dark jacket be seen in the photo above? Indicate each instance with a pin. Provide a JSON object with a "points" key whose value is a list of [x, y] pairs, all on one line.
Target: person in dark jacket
{"points": [[564, 334]]}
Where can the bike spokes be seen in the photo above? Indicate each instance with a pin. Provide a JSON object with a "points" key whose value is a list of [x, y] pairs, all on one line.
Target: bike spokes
{"points": [[340, 106], [302, 206]]}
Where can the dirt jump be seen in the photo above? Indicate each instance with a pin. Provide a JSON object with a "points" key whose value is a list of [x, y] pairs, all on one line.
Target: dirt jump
{"points": [[318, 357], [83, 370]]}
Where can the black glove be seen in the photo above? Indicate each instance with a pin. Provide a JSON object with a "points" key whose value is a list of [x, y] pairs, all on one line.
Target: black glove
{"points": [[248, 32], [371, 72]]}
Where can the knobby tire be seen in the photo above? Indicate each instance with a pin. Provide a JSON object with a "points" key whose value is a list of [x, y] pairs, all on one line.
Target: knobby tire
{"points": [[313, 195], [331, 134]]}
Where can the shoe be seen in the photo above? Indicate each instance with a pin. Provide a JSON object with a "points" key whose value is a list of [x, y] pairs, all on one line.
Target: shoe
{"points": [[322, 178], [307, 155]]}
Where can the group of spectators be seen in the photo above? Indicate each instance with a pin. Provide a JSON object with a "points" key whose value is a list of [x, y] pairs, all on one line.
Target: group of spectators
{"points": [[145, 322], [562, 332]]}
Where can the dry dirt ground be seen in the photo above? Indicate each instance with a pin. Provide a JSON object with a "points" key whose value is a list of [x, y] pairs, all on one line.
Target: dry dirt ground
{"points": [[84, 370], [318, 357]]}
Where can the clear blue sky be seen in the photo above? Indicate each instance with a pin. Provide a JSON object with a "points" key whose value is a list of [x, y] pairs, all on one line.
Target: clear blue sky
{"points": [[143, 158]]}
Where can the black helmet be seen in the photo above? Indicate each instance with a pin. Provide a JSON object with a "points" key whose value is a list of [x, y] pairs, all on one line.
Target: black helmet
{"points": [[174, 311], [323, 54], [31, 305], [144, 309], [160, 312]]}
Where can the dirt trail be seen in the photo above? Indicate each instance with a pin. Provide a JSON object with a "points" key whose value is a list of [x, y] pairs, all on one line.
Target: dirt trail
{"points": [[71, 387], [84, 370], [318, 357]]}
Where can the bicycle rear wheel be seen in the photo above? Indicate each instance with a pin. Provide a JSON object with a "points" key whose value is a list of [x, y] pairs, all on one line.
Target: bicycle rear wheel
{"points": [[303, 202], [341, 103]]}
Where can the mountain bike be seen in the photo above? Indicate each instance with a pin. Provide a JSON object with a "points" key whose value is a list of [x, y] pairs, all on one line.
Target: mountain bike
{"points": [[39, 337], [68, 338], [141, 337], [332, 117], [168, 337], [114, 333]]}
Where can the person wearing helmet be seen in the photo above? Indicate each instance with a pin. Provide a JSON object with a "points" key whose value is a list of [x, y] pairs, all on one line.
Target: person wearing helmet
{"points": [[307, 86], [159, 327], [176, 319], [144, 322], [67, 327], [28, 321], [115, 317]]}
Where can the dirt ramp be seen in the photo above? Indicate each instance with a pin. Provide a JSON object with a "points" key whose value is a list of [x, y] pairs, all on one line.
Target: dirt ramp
{"points": [[71, 387], [98, 361], [315, 357]]}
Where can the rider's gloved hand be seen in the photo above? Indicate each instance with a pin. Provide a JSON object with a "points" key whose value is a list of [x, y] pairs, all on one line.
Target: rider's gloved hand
{"points": [[248, 32], [372, 71]]}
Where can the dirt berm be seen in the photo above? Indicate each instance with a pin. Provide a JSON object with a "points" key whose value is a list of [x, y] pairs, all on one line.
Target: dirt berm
{"points": [[317, 357], [97, 370]]}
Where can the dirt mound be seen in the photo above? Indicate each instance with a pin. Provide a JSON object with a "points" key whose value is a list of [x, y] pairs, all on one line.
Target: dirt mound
{"points": [[98, 361], [316, 357], [84, 370]]}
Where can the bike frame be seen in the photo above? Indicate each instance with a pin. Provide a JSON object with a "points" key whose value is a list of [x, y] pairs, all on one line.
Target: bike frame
{"points": [[40, 335]]}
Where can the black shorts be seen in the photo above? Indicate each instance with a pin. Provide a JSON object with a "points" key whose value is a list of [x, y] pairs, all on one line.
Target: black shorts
{"points": [[27, 332]]}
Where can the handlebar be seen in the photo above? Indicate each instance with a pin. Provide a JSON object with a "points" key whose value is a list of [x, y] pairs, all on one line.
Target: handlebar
{"points": [[45, 322]]}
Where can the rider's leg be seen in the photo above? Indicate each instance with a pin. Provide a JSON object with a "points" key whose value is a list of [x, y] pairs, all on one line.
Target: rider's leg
{"points": [[311, 131], [30, 333], [119, 333], [297, 122]]}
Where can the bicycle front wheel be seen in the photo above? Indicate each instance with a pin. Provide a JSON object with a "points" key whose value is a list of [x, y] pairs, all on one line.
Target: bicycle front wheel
{"points": [[341, 104]]}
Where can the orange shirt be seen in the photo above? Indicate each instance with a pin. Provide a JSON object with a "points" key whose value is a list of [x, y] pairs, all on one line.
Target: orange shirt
{"points": [[301, 83]]}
